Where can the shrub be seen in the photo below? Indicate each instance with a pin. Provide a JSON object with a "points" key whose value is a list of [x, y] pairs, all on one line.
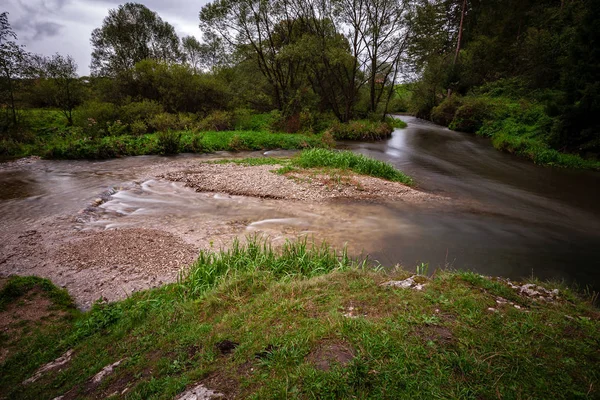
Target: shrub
{"points": [[139, 128], [168, 141], [94, 116], [471, 115], [217, 121], [444, 113], [163, 122], [361, 130], [142, 111], [116, 128], [8, 147]]}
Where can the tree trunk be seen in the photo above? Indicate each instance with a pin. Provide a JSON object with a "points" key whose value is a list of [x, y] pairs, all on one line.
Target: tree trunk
{"points": [[460, 32]]}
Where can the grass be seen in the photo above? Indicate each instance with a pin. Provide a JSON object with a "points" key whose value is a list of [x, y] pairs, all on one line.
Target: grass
{"points": [[363, 129], [333, 160], [347, 160], [69, 147], [290, 312]]}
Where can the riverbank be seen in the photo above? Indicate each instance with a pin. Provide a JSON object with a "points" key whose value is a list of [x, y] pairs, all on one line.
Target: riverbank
{"points": [[305, 322], [519, 126]]}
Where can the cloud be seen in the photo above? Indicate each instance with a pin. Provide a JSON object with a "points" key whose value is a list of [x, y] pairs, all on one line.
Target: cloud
{"points": [[46, 29], [65, 26]]}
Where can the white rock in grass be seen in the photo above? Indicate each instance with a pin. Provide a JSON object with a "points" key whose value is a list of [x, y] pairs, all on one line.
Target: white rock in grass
{"points": [[408, 283], [104, 372], [56, 364], [199, 392]]}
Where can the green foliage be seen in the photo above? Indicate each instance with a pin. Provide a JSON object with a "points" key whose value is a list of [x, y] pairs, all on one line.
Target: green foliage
{"points": [[246, 120], [168, 141], [361, 130], [471, 114], [138, 128], [129, 34], [316, 158], [163, 122], [116, 128], [444, 113], [94, 117], [217, 121], [143, 111], [294, 259]]}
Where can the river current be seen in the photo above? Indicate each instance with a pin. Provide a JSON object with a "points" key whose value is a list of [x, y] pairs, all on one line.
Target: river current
{"points": [[525, 219]]}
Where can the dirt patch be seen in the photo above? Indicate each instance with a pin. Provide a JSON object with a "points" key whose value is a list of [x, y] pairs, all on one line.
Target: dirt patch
{"points": [[33, 309], [327, 354], [437, 333], [306, 185], [227, 382]]}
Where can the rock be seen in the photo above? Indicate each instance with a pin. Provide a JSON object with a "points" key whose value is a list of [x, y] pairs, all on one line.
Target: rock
{"points": [[105, 372], [59, 362], [199, 392], [408, 283]]}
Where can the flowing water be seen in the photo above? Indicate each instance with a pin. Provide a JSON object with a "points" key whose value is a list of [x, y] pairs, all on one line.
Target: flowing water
{"points": [[521, 219]]}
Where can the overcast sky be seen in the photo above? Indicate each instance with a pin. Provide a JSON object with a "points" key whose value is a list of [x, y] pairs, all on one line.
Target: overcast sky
{"points": [[65, 26]]}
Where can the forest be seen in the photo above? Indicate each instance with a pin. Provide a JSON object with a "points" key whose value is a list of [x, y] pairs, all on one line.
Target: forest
{"points": [[304, 73]]}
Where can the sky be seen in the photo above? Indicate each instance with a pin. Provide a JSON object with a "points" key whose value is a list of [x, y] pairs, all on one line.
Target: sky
{"points": [[65, 26]]}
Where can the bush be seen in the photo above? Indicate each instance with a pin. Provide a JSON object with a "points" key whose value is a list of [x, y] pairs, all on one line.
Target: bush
{"points": [[163, 122], [246, 120], [444, 113], [361, 130], [139, 128], [168, 141], [472, 114], [143, 111], [94, 116], [116, 128], [217, 121]]}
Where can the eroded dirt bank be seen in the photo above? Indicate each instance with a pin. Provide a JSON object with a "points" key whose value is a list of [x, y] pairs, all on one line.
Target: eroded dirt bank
{"points": [[113, 246]]}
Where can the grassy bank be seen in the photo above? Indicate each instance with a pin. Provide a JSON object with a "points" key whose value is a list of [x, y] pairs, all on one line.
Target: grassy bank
{"points": [[44, 133], [165, 143], [516, 125], [311, 323]]}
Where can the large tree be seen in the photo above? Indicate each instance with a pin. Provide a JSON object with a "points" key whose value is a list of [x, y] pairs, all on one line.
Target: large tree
{"points": [[130, 34]]}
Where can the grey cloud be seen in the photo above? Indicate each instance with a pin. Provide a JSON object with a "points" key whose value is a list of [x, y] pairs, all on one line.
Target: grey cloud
{"points": [[46, 29]]}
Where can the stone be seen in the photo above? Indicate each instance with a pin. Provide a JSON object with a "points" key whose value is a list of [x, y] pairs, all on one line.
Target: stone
{"points": [[199, 392]]}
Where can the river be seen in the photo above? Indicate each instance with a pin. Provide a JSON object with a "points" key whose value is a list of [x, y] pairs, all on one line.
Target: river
{"points": [[520, 219]]}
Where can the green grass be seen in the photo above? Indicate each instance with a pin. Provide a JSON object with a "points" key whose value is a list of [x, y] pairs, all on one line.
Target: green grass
{"points": [[318, 158], [329, 159], [70, 147], [285, 308], [363, 129]]}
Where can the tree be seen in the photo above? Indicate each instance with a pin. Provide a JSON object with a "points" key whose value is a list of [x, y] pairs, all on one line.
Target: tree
{"points": [[260, 29], [65, 87], [12, 64], [192, 52], [130, 34]]}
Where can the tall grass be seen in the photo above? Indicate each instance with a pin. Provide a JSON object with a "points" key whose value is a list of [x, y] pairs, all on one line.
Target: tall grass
{"points": [[317, 158], [299, 258]]}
